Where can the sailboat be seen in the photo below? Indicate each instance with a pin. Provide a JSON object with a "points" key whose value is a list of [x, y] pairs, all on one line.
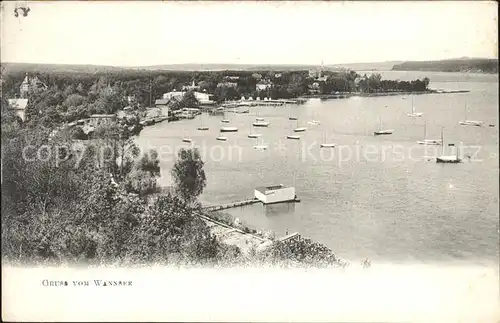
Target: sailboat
{"points": [[413, 113], [381, 131], [450, 159], [470, 122], [186, 139], [260, 146], [426, 141], [202, 127], [261, 124], [299, 129], [327, 145], [224, 120], [252, 134], [290, 115], [221, 137]]}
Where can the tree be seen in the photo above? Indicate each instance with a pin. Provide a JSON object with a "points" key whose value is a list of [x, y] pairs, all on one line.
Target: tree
{"points": [[117, 147], [145, 171], [189, 175]]}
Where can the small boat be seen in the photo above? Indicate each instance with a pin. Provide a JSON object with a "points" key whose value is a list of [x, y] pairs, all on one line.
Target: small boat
{"points": [[413, 113], [325, 144], [254, 135], [448, 159], [228, 129], [466, 122], [187, 140], [293, 137], [224, 120], [314, 122], [290, 117], [259, 119], [261, 124], [259, 146], [382, 131], [428, 142], [299, 129], [492, 125], [221, 138], [202, 127], [471, 123]]}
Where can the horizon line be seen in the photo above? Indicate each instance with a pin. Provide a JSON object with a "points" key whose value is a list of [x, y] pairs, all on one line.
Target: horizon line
{"points": [[247, 64]]}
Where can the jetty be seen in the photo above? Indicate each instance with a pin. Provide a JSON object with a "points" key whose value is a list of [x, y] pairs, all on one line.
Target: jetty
{"points": [[292, 236], [230, 205]]}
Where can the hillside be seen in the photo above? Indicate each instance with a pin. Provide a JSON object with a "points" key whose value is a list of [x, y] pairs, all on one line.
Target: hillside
{"points": [[8, 68], [465, 64], [378, 66]]}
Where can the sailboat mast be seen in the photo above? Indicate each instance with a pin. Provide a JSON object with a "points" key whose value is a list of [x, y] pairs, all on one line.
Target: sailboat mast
{"points": [[425, 129], [442, 141], [465, 107]]}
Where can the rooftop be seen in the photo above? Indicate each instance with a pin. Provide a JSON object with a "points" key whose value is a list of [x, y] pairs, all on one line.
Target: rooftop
{"points": [[102, 116], [18, 103], [264, 189]]}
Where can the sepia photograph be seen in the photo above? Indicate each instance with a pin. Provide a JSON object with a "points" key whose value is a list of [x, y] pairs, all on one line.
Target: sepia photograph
{"points": [[245, 161]]}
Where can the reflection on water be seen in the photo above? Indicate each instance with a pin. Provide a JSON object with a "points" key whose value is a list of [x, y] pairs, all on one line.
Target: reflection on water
{"points": [[279, 209]]}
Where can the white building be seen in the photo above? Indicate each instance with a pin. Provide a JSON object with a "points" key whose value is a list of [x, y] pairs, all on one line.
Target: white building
{"points": [[227, 84], [191, 87], [19, 105], [275, 194], [203, 98], [263, 86]]}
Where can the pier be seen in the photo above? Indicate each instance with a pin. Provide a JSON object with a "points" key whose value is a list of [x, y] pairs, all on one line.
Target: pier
{"points": [[230, 205], [294, 236]]}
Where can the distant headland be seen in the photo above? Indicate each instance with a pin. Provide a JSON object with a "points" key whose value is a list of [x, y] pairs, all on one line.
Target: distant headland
{"points": [[464, 65]]}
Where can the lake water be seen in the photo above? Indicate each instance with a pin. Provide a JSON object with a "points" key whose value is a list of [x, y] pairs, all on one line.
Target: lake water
{"points": [[376, 197]]}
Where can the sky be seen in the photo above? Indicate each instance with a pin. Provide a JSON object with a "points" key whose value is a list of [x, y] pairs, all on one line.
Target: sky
{"points": [[129, 33]]}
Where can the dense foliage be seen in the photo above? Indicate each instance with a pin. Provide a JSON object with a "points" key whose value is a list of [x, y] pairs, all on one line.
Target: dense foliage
{"points": [[188, 174], [72, 96], [70, 196]]}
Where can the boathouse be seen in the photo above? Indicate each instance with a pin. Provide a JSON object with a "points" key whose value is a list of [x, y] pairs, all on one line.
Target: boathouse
{"points": [[275, 194]]}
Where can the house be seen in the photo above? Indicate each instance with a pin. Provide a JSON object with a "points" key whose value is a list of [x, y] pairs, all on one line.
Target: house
{"points": [[19, 105], [190, 87], [275, 194], [30, 83], [163, 105], [314, 88], [233, 78], [277, 75], [227, 84], [100, 119], [263, 85], [203, 98]]}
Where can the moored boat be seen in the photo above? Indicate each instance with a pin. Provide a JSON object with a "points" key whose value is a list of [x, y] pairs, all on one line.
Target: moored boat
{"points": [[261, 124], [228, 129], [449, 159]]}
